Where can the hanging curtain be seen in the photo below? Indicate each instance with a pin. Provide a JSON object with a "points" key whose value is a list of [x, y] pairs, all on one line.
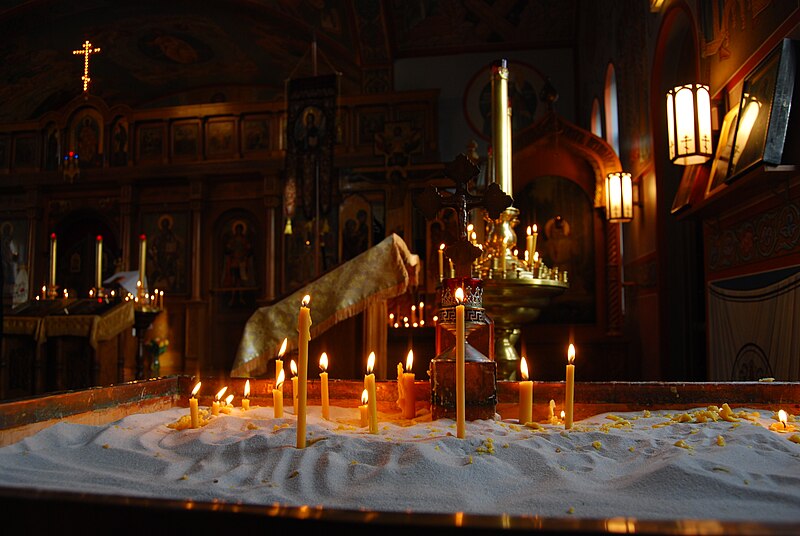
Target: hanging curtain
{"points": [[754, 333]]}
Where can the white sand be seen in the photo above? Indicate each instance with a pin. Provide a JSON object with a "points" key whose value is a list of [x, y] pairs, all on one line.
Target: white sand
{"points": [[634, 471]]}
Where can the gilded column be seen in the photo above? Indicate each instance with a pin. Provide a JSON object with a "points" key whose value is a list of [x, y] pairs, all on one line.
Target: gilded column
{"points": [[501, 144]]}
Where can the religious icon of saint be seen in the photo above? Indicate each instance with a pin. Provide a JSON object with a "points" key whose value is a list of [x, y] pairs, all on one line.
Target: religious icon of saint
{"points": [[237, 272], [164, 253]]}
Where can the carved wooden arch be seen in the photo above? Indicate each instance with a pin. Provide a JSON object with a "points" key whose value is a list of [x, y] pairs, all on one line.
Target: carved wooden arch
{"points": [[534, 149], [555, 147]]}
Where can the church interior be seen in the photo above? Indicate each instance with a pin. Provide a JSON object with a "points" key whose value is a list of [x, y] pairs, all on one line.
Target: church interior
{"points": [[172, 172]]}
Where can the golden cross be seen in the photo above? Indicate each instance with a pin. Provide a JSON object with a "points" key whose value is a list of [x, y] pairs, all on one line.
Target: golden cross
{"points": [[86, 51]]}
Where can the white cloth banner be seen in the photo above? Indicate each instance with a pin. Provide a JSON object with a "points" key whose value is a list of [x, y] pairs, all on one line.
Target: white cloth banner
{"points": [[755, 333]]}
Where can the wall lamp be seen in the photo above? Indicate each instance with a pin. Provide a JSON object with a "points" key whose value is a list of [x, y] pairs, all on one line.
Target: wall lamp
{"points": [[689, 124]]}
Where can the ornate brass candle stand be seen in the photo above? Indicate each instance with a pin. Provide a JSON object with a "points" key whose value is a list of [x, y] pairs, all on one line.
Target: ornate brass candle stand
{"points": [[515, 292]]}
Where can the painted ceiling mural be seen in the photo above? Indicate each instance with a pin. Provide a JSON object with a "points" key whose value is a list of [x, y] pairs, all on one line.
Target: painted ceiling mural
{"points": [[163, 53]]}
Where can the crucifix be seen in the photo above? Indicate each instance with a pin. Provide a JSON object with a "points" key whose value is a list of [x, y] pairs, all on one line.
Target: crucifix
{"points": [[431, 201], [86, 51]]}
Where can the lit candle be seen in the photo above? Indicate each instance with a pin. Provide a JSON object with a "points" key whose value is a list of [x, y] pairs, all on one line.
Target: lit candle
{"points": [[421, 313], [535, 237], [279, 361], [99, 266], [363, 409], [193, 409], [525, 395], [293, 368], [413, 314], [246, 398], [304, 328], [52, 263], [570, 394], [551, 418], [409, 396], [215, 403], [277, 396], [530, 247], [441, 262], [142, 258], [369, 385], [228, 404], [460, 364], [323, 387]]}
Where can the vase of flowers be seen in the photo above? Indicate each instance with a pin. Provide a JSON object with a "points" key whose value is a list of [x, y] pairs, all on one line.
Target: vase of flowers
{"points": [[156, 347]]}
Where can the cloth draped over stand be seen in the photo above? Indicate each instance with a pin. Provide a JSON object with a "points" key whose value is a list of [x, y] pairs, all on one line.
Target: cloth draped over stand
{"points": [[753, 330], [384, 271]]}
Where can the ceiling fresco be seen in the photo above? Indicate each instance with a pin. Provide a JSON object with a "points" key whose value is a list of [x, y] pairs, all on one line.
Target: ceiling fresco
{"points": [[164, 53]]}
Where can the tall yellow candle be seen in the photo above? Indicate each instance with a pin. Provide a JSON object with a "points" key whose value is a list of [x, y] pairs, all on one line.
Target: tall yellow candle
{"points": [[529, 247], [525, 395], [52, 262], [535, 237], [323, 385], [99, 265], [216, 403], [194, 412], [460, 365], [277, 396], [570, 391], [142, 259], [279, 361], [246, 397], [293, 368], [409, 409], [363, 409], [304, 329], [369, 385], [441, 262]]}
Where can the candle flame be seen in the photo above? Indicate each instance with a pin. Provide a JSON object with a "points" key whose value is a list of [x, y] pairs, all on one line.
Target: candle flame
{"points": [[413, 307], [306, 300], [441, 247], [323, 361], [536, 256], [535, 229], [370, 362], [421, 304], [247, 389], [409, 360], [782, 417], [279, 380], [571, 353], [283, 348], [459, 295], [470, 227], [364, 397], [229, 399], [529, 230], [220, 393], [523, 367], [293, 367], [563, 414], [196, 389]]}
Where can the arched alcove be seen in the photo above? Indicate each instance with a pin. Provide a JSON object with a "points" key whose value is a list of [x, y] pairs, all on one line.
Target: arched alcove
{"points": [[555, 153], [673, 324]]}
